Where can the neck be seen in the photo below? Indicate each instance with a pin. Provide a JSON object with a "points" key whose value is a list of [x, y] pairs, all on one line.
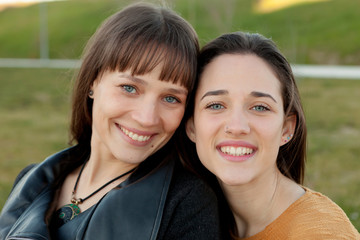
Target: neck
{"points": [[258, 203], [100, 168]]}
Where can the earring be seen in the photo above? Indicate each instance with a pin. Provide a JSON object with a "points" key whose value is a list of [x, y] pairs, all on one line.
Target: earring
{"points": [[288, 138], [91, 93]]}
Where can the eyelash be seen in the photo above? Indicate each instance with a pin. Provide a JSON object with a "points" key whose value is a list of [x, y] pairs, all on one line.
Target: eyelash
{"points": [[264, 107], [126, 87], [212, 104], [174, 98], [129, 89]]}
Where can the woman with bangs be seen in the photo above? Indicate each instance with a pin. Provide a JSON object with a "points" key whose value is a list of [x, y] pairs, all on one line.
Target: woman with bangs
{"points": [[122, 178], [248, 125]]}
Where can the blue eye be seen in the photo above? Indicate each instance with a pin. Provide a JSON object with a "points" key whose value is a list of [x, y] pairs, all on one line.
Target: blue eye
{"points": [[129, 89], [171, 99], [260, 108], [215, 106]]}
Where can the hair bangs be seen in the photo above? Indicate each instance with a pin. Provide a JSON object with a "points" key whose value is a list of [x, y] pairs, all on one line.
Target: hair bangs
{"points": [[141, 56]]}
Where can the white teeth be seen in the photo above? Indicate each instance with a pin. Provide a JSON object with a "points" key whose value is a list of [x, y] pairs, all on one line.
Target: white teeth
{"points": [[236, 151], [134, 136]]}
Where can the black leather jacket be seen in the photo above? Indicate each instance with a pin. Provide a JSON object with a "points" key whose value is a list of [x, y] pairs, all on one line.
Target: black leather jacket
{"points": [[133, 211]]}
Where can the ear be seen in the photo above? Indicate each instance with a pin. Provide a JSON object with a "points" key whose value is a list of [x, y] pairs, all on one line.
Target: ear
{"points": [[91, 91], [190, 129], [93, 87], [288, 129], [91, 94]]}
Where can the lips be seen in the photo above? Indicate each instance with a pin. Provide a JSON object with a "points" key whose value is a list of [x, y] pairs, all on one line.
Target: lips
{"points": [[135, 136], [236, 151]]}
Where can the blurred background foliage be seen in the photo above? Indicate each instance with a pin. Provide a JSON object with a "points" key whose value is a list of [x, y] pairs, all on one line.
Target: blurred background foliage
{"points": [[314, 33], [35, 103]]}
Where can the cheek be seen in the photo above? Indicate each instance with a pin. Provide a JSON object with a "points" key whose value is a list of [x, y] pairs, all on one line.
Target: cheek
{"points": [[203, 151], [207, 153], [105, 109], [207, 125], [270, 131], [105, 101], [172, 119], [206, 132], [101, 113]]}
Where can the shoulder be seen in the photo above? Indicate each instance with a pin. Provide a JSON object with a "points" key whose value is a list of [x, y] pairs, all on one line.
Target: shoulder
{"points": [[315, 215], [23, 172], [187, 185], [322, 206], [191, 210]]}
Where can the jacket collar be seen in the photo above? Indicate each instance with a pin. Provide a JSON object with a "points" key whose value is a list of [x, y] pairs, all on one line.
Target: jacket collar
{"points": [[133, 211]]}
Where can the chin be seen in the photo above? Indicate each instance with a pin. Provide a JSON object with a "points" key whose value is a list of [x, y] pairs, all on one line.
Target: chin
{"points": [[231, 182], [130, 158], [233, 179]]}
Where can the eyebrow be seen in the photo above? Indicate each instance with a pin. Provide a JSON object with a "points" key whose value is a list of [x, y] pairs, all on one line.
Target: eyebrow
{"points": [[261, 94], [134, 79], [178, 91], [215, 93], [225, 92], [143, 82]]}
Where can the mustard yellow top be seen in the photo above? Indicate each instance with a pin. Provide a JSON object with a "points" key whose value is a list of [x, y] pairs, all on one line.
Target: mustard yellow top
{"points": [[312, 216]]}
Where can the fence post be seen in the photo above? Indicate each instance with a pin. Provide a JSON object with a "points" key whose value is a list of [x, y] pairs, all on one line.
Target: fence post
{"points": [[44, 41]]}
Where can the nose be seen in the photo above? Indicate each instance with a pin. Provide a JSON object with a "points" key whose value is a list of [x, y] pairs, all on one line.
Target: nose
{"points": [[237, 124], [147, 114]]}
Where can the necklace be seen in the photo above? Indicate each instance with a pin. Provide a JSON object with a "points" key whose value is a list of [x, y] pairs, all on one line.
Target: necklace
{"points": [[69, 211]]}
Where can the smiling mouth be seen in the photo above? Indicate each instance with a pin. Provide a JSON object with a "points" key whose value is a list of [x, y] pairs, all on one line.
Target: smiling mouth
{"points": [[134, 136], [236, 151]]}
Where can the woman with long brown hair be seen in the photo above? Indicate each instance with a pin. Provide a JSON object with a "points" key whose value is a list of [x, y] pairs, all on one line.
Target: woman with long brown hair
{"points": [[248, 125], [122, 179]]}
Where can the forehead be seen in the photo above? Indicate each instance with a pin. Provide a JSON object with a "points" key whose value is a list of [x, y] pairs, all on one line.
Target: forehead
{"points": [[239, 73]]}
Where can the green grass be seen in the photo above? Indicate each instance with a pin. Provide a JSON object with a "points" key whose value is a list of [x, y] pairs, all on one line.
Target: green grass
{"points": [[70, 24], [34, 109], [316, 33], [333, 120], [35, 103]]}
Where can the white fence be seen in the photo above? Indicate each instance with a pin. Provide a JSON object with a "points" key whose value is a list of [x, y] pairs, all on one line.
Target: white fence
{"points": [[306, 71], [327, 71], [38, 63]]}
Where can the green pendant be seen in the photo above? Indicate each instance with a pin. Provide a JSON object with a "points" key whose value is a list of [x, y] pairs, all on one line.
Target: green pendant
{"points": [[68, 212], [65, 214]]}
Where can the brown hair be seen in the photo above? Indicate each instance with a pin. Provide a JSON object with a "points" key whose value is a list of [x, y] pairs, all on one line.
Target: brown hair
{"points": [[139, 38], [292, 156]]}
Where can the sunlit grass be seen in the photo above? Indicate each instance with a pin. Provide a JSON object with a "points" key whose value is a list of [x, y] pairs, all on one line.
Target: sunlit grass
{"points": [[266, 6]]}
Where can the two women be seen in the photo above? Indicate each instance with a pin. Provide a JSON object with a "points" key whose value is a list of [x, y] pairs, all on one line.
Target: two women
{"points": [[249, 129], [122, 179]]}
